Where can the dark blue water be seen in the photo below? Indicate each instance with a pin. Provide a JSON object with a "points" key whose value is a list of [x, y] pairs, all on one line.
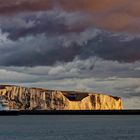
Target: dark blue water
{"points": [[70, 128]]}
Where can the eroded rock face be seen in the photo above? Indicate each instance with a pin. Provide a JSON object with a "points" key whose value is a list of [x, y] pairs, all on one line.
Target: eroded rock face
{"points": [[22, 98]]}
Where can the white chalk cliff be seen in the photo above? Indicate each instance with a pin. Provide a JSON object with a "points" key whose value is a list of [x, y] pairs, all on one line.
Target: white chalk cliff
{"points": [[22, 98]]}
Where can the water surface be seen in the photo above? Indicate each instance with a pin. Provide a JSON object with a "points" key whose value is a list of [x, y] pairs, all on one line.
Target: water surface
{"points": [[70, 127]]}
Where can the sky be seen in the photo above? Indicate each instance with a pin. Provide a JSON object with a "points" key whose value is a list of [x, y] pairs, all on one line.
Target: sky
{"points": [[82, 45]]}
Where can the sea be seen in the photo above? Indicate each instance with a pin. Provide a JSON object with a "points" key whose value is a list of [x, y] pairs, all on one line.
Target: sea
{"points": [[70, 127]]}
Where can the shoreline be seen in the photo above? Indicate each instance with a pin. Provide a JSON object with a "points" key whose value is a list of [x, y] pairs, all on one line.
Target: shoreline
{"points": [[68, 112]]}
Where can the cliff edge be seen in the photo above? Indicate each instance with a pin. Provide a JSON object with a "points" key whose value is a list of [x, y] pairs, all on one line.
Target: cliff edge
{"points": [[22, 98]]}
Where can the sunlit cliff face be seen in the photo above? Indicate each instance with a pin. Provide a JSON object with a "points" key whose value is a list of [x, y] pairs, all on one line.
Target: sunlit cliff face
{"points": [[21, 98], [91, 45]]}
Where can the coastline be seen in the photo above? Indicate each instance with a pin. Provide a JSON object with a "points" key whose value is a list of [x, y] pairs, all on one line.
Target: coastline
{"points": [[68, 112]]}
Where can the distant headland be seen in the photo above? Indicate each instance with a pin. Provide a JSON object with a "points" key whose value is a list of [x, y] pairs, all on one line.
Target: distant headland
{"points": [[22, 98]]}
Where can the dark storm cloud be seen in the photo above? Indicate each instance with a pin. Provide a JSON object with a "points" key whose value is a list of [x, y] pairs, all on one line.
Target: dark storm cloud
{"points": [[47, 35], [111, 48], [15, 6], [35, 51], [51, 23], [106, 13], [45, 50]]}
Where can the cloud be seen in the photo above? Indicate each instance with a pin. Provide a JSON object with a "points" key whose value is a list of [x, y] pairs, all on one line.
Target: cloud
{"points": [[132, 103], [13, 76], [137, 90], [80, 5], [42, 50], [53, 22], [112, 48], [15, 6], [105, 14], [31, 39], [92, 67], [83, 69]]}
